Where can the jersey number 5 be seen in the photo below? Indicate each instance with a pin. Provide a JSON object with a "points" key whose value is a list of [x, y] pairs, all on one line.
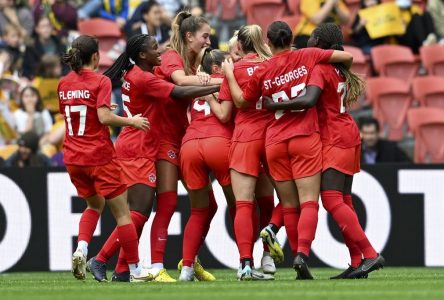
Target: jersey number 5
{"points": [[297, 90], [82, 121]]}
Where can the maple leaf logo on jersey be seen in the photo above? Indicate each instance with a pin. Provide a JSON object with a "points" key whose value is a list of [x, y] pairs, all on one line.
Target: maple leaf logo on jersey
{"points": [[152, 178], [171, 154]]}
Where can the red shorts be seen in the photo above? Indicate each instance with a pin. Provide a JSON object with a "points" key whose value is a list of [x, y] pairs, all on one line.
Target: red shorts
{"points": [[200, 156], [103, 180], [295, 158], [248, 157], [168, 152], [138, 170], [345, 160]]}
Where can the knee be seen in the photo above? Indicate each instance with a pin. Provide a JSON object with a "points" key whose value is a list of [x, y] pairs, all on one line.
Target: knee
{"points": [[331, 200]]}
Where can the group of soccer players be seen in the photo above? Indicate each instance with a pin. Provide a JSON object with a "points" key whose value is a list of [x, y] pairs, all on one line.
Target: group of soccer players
{"points": [[274, 120]]}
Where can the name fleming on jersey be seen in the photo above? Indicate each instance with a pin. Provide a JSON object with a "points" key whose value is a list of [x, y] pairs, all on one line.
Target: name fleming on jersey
{"points": [[76, 94]]}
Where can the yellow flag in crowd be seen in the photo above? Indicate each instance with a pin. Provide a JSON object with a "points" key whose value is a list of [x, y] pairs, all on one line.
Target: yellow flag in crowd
{"points": [[383, 20]]}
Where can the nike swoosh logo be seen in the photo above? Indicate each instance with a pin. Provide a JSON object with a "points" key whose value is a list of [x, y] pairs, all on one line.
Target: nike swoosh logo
{"points": [[366, 266]]}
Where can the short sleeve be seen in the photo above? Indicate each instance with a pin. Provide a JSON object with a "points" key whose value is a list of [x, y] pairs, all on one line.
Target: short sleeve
{"points": [[171, 62], [253, 90], [104, 93], [157, 88], [317, 77], [316, 55], [225, 93]]}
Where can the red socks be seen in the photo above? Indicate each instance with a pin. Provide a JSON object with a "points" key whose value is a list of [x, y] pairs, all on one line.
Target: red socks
{"points": [[353, 249], [212, 205], [277, 217], [139, 221], [193, 234], [348, 222], [291, 218], [308, 222], [243, 228], [166, 205], [87, 225], [129, 242]]}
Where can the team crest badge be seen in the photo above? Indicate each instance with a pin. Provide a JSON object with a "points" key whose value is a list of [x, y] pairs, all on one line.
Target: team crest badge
{"points": [[171, 154]]}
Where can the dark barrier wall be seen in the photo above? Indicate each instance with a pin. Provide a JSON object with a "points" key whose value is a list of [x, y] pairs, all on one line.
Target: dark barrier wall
{"points": [[401, 208]]}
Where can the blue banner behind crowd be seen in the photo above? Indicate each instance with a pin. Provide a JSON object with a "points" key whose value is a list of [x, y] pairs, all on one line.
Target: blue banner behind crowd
{"points": [[401, 208]]}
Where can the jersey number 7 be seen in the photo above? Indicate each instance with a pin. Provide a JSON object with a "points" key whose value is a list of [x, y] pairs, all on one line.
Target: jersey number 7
{"points": [[82, 121]]}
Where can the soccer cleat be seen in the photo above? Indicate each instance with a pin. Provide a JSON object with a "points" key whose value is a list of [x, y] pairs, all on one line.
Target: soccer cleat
{"points": [[301, 267], [143, 276], [163, 276], [120, 277], [78, 267], [344, 274], [267, 264], [199, 272], [186, 274], [367, 266], [256, 275], [270, 239], [97, 269], [245, 274]]}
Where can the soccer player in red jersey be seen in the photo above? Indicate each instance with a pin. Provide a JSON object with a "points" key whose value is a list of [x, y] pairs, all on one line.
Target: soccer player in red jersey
{"points": [[332, 89], [293, 146], [142, 92], [190, 34], [85, 101], [247, 156], [205, 148]]}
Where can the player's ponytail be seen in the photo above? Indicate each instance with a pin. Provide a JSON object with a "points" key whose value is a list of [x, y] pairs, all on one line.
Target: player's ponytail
{"points": [[250, 39], [184, 22], [210, 58], [129, 57], [280, 35], [329, 36], [81, 52]]}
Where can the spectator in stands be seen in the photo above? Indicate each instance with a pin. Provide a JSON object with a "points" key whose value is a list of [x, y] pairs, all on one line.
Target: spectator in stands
{"points": [[43, 43], [315, 12], [114, 10], [2, 162], [63, 16], [225, 16], [171, 7], [150, 22], [436, 11], [31, 116], [27, 154], [375, 150], [7, 123], [420, 29], [360, 35], [18, 15], [12, 44]]}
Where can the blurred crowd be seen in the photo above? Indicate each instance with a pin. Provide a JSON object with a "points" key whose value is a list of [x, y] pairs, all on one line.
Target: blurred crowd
{"points": [[34, 33]]}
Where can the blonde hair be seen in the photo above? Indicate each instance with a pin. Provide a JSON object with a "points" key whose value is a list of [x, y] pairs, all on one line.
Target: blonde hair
{"points": [[233, 41], [184, 22], [250, 39]]}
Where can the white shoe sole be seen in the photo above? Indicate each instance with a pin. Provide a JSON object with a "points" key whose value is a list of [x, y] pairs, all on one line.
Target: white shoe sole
{"points": [[78, 264]]}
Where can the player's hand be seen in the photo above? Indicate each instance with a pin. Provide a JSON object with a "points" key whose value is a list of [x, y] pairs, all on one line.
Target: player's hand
{"points": [[140, 122], [228, 66], [268, 102], [204, 78]]}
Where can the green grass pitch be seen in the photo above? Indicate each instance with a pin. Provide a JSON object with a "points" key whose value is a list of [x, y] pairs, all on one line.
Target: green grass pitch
{"points": [[390, 283]]}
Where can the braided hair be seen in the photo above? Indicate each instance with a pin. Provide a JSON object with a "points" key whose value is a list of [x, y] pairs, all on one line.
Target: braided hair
{"points": [[126, 60], [329, 36]]}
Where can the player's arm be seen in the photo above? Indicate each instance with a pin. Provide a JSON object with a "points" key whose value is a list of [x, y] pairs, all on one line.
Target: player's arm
{"points": [[222, 110], [235, 90], [308, 100], [186, 92], [106, 117], [180, 78], [341, 57]]}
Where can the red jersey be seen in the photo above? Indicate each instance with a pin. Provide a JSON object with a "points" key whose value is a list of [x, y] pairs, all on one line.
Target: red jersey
{"points": [[174, 112], [282, 77], [87, 142], [250, 122], [204, 123], [142, 93], [337, 127]]}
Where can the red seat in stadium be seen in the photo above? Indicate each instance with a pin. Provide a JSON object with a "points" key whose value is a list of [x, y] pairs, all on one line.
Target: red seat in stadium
{"points": [[394, 61], [391, 99], [263, 12], [106, 31], [427, 125], [360, 64], [429, 90], [433, 59]]}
